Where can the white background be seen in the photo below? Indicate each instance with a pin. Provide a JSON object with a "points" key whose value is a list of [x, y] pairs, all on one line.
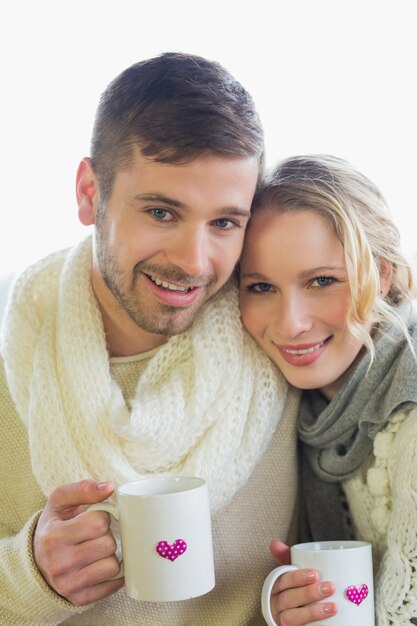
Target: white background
{"points": [[327, 76]]}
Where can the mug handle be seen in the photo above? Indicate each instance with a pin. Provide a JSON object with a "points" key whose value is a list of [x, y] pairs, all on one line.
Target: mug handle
{"points": [[108, 508], [267, 588]]}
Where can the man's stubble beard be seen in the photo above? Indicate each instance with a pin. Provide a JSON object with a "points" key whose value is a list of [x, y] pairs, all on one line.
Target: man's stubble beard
{"points": [[164, 322]]}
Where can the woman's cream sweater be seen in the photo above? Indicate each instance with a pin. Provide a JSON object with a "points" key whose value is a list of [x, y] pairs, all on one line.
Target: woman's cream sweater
{"points": [[382, 498]]}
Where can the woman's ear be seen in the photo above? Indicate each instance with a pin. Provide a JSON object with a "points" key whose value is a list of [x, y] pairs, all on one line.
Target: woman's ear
{"points": [[87, 192], [385, 276]]}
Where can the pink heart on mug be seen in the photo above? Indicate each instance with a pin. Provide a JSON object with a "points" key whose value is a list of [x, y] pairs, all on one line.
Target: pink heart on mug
{"points": [[357, 596], [171, 551]]}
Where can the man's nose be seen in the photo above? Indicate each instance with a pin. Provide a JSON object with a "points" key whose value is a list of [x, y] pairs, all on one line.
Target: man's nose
{"points": [[189, 250]]}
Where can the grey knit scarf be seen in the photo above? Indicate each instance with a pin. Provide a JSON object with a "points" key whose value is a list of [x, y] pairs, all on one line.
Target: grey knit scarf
{"points": [[338, 436]]}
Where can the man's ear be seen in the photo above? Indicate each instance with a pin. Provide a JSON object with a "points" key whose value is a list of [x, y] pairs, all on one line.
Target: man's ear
{"points": [[87, 192], [385, 276]]}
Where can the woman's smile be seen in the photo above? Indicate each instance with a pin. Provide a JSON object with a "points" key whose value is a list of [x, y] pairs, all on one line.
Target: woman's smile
{"points": [[303, 354]]}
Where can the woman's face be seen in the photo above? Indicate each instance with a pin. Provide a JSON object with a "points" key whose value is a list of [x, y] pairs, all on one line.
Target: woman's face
{"points": [[294, 297]]}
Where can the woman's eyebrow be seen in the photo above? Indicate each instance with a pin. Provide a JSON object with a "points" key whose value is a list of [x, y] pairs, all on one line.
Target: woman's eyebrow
{"points": [[253, 276], [321, 269]]}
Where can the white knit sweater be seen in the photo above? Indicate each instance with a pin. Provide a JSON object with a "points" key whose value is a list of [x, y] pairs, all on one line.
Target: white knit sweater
{"points": [[261, 510], [208, 403], [382, 497]]}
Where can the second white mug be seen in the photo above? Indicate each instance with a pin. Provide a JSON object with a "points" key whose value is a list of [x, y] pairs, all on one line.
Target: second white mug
{"points": [[348, 564]]}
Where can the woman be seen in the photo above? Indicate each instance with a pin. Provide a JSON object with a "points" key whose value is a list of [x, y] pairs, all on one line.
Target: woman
{"points": [[326, 292]]}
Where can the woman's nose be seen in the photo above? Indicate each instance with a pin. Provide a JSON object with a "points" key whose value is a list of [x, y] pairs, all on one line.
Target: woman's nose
{"points": [[294, 316]]}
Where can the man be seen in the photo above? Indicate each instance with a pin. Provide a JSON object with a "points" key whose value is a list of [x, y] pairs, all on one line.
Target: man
{"points": [[124, 356]]}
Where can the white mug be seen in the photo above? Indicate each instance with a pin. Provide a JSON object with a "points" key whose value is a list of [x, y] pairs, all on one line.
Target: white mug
{"points": [[348, 564], [165, 531]]}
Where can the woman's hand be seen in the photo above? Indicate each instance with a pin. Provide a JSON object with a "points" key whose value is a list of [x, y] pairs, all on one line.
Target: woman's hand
{"points": [[295, 594]]}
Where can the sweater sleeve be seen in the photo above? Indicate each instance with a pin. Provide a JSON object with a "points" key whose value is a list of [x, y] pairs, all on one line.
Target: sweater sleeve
{"points": [[25, 598], [396, 582]]}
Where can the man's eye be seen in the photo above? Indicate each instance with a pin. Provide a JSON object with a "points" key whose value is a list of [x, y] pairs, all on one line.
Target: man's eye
{"points": [[224, 223], [162, 215]]}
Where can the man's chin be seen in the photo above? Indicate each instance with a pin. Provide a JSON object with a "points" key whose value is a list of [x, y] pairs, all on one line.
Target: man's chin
{"points": [[167, 327]]}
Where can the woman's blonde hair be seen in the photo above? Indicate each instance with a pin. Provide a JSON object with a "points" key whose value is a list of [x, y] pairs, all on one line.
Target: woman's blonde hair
{"points": [[360, 218]]}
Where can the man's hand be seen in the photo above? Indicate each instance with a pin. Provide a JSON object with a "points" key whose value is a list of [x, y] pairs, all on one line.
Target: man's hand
{"points": [[294, 592], [74, 548]]}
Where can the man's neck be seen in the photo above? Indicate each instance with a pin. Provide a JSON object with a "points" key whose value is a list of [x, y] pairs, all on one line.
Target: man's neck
{"points": [[123, 336], [127, 339]]}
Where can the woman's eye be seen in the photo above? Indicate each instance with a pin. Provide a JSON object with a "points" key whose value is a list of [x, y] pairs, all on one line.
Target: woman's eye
{"points": [[261, 287], [323, 281]]}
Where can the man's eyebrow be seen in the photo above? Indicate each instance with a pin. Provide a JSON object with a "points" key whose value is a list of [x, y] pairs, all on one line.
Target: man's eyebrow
{"points": [[159, 197], [235, 210]]}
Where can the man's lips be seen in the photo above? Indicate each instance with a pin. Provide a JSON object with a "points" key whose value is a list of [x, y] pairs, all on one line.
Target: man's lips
{"points": [[173, 294], [303, 353], [167, 285]]}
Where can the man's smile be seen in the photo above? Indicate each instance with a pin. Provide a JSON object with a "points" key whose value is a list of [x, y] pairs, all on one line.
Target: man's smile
{"points": [[170, 286]]}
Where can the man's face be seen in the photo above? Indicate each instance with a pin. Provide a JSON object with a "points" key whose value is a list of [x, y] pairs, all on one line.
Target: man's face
{"points": [[169, 237]]}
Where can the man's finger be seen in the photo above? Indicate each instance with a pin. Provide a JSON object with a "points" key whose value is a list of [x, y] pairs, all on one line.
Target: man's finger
{"points": [[76, 494]]}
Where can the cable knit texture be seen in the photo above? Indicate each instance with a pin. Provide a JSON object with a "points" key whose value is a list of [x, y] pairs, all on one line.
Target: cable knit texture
{"points": [[382, 498], [186, 418], [260, 510], [242, 531]]}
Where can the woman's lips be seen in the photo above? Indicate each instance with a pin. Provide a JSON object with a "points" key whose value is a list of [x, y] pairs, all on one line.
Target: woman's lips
{"points": [[302, 354]]}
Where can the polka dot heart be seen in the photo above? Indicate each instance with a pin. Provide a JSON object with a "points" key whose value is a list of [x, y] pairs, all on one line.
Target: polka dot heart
{"points": [[171, 551], [357, 596]]}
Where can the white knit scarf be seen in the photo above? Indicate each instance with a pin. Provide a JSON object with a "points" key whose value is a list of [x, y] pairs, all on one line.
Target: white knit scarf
{"points": [[206, 405]]}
